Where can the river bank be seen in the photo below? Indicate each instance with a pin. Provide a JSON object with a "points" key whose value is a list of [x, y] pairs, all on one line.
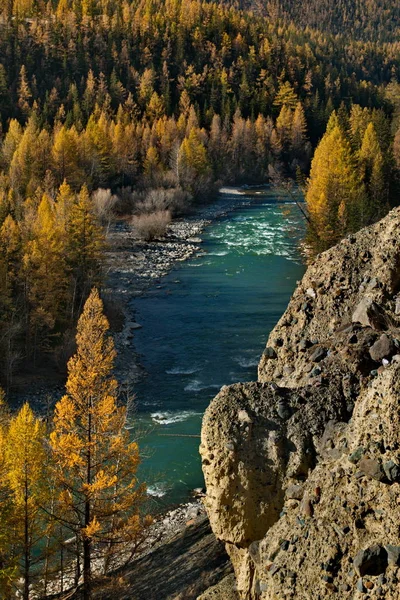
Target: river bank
{"points": [[133, 266]]}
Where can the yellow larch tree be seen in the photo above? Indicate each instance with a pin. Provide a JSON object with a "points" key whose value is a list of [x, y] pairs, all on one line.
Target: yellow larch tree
{"points": [[335, 193], [10, 317], [372, 164], [65, 156], [84, 249], [24, 463], [95, 462], [45, 272], [8, 566]]}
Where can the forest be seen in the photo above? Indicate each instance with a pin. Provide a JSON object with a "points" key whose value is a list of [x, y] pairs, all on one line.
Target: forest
{"points": [[69, 496], [141, 110], [104, 102], [369, 20]]}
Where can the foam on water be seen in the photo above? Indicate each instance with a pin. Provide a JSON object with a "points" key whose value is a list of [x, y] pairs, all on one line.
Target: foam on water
{"points": [[246, 363], [219, 253], [198, 386], [183, 371], [168, 417], [158, 490]]}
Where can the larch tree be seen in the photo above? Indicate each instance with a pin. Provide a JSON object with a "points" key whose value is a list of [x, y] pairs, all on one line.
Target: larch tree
{"points": [[11, 142], [193, 163], [24, 159], [24, 91], [46, 280], [298, 137], [95, 461], [24, 462], [284, 125], [8, 563], [286, 96], [65, 156], [84, 249], [10, 317], [335, 193], [372, 166]]}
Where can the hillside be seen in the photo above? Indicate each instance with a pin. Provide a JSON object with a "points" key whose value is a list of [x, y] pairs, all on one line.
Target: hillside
{"points": [[369, 20]]}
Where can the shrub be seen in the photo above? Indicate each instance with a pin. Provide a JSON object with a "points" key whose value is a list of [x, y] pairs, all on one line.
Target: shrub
{"points": [[152, 225], [104, 203], [175, 200]]}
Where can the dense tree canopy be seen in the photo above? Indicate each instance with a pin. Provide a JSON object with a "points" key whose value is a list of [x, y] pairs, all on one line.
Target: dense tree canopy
{"points": [[176, 95]]}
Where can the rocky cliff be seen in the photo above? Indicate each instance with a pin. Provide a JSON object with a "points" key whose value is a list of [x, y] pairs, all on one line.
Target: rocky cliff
{"points": [[303, 467]]}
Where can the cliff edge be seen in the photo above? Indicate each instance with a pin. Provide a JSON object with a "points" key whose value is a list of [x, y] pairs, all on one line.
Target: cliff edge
{"points": [[303, 467]]}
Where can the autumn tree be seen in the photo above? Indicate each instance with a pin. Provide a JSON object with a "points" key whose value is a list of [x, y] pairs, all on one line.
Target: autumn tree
{"points": [[84, 249], [372, 166], [95, 461], [300, 149], [24, 464], [193, 164], [46, 279], [335, 195], [286, 96], [10, 282], [8, 563], [24, 91], [65, 155]]}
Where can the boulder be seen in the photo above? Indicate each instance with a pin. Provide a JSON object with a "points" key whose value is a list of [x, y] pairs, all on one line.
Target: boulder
{"points": [[382, 348], [372, 468], [316, 463], [368, 314], [371, 561]]}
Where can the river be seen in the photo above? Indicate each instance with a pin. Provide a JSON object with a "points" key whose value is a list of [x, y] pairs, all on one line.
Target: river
{"points": [[206, 326]]}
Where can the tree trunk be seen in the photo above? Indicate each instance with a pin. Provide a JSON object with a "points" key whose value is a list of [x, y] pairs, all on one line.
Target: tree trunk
{"points": [[26, 544], [87, 575], [86, 540]]}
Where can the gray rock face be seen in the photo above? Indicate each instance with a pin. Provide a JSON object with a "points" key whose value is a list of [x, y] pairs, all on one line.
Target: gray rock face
{"points": [[309, 479], [382, 348], [391, 470], [368, 314], [372, 468], [393, 553], [269, 352], [371, 561]]}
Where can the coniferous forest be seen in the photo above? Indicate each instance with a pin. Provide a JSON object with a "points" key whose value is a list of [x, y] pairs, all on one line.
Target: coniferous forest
{"points": [[145, 108], [178, 96]]}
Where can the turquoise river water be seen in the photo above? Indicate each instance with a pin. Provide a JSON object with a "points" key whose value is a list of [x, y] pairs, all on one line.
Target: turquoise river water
{"points": [[206, 326]]}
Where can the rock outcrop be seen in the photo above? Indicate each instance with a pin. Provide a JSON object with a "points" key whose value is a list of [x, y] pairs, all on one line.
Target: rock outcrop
{"points": [[303, 467]]}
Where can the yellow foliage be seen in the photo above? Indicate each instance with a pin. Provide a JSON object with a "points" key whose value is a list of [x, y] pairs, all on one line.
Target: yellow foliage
{"points": [[95, 463], [335, 193], [25, 457], [92, 529]]}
